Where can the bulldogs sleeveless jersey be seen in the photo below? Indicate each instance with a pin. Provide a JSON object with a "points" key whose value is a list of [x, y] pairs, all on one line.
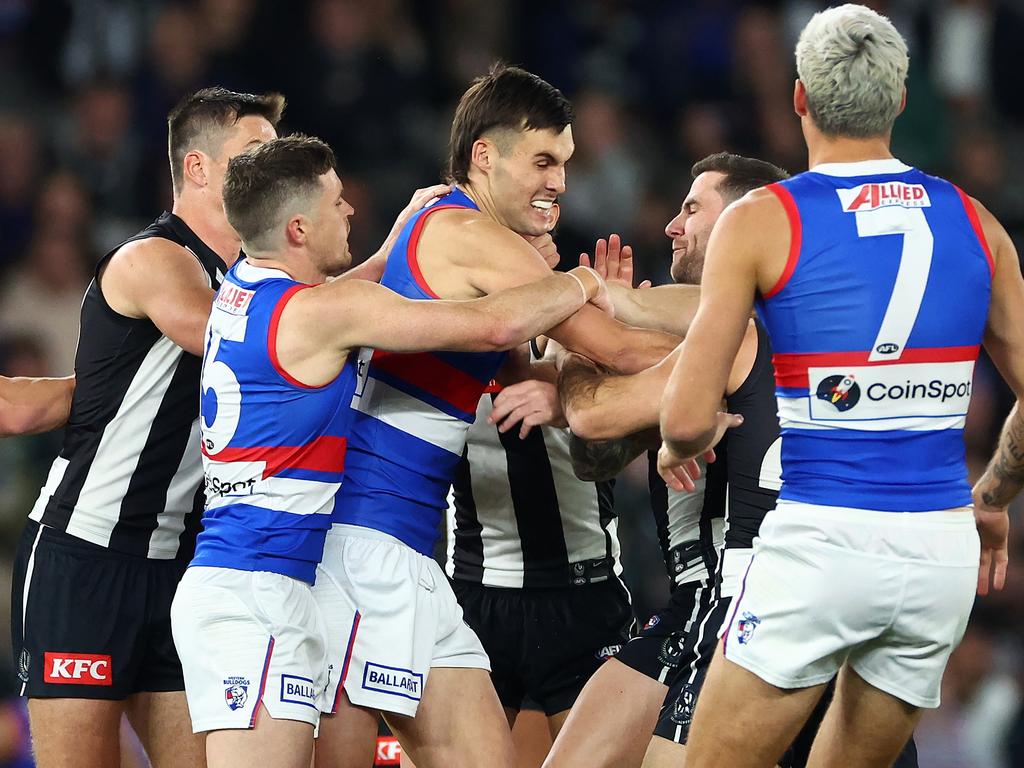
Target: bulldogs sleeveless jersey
{"points": [[129, 474], [273, 448], [876, 324], [411, 413]]}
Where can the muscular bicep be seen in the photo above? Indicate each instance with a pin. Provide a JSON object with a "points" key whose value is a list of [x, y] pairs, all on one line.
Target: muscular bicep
{"points": [[163, 282]]}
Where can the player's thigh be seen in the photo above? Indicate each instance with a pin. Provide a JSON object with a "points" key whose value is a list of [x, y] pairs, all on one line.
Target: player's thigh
{"points": [[611, 721], [663, 753], [741, 720], [270, 742], [459, 723], [249, 640], [863, 726], [347, 736], [161, 721], [80, 732], [569, 635]]}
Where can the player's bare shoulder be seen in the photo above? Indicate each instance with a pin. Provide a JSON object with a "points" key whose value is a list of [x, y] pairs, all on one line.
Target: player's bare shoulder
{"points": [[996, 237], [140, 265]]}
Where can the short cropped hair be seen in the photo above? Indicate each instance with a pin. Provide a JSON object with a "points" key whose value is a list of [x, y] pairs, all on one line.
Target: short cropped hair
{"points": [[853, 64], [199, 120], [505, 98], [269, 182], [742, 174]]}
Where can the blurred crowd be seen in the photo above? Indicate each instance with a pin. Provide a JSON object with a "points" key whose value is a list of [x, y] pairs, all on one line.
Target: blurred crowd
{"points": [[657, 84]]}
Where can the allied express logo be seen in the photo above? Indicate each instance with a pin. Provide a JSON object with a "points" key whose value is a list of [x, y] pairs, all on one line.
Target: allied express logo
{"points": [[841, 391]]}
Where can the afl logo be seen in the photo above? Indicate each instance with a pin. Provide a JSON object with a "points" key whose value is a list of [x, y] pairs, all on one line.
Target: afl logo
{"points": [[842, 391], [887, 349]]}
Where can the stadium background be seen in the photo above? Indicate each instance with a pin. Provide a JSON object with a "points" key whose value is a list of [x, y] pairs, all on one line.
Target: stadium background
{"points": [[86, 85]]}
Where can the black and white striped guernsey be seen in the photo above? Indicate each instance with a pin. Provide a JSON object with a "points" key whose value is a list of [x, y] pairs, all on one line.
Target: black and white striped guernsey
{"points": [[742, 484], [519, 517], [129, 476], [690, 524]]}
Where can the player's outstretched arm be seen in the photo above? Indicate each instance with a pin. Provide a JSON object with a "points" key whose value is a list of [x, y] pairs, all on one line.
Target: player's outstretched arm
{"points": [[162, 281], [1004, 342], [667, 308], [29, 406], [602, 406], [319, 325]]}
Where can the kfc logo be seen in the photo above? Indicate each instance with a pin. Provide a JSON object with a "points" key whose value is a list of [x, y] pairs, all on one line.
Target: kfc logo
{"points": [[77, 669]]}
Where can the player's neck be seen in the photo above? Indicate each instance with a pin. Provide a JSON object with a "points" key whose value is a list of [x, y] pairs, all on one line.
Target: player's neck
{"points": [[821, 149], [296, 267], [210, 225], [481, 196]]}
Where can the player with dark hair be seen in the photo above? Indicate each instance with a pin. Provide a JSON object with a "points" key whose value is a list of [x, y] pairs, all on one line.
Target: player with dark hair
{"points": [[276, 386], [404, 654]]}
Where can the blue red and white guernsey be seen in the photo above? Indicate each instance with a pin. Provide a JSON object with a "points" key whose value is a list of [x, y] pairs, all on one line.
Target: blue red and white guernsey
{"points": [[876, 324], [411, 413], [273, 448]]}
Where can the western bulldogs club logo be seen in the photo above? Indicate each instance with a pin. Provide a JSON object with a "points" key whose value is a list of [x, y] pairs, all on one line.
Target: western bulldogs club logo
{"points": [[842, 391], [236, 692], [745, 627]]}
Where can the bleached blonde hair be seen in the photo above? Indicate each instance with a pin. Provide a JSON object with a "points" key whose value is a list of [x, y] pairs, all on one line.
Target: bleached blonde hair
{"points": [[853, 64]]}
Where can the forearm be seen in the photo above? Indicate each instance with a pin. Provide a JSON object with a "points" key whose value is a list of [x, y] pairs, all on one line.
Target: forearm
{"points": [[604, 459], [667, 308], [521, 313], [1004, 477], [372, 269], [29, 406]]}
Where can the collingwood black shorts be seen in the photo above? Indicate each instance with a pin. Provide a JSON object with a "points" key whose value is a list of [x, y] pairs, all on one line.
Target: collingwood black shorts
{"points": [[91, 623]]}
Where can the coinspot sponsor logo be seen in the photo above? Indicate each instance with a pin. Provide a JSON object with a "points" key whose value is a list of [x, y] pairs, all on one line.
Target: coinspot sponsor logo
{"points": [[926, 390]]}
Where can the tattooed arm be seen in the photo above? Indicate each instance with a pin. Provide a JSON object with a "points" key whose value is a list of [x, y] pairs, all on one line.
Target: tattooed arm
{"points": [[596, 460], [1004, 342]]}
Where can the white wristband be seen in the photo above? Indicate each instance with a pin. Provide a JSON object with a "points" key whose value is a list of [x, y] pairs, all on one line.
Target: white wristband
{"points": [[582, 287]]}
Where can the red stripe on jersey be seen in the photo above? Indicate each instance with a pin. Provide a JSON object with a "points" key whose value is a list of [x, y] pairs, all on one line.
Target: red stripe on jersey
{"points": [[325, 454], [434, 376], [414, 241], [791, 369], [275, 320], [972, 215], [795, 237]]}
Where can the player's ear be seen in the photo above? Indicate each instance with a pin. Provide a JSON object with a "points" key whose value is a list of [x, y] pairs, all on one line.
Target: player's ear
{"points": [[296, 230], [194, 168], [483, 154], [903, 101], [799, 98]]}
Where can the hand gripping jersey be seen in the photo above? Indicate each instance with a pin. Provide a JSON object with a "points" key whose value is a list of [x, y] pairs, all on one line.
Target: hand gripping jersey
{"points": [[273, 448], [411, 413], [876, 324]]}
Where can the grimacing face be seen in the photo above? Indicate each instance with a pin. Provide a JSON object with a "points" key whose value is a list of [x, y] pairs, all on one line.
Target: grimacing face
{"points": [[528, 176], [690, 229]]}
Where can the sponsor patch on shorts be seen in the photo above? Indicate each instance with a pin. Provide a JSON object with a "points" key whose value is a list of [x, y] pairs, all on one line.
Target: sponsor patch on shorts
{"points": [[392, 680], [298, 690], [77, 669]]}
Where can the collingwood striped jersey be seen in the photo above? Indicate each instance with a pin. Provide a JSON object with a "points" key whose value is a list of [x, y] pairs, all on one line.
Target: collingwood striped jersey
{"points": [[519, 517], [129, 476]]}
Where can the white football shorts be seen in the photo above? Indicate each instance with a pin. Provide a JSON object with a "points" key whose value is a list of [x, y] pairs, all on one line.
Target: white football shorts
{"points": [[400, 619], [889, 593], [248, 638]]}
